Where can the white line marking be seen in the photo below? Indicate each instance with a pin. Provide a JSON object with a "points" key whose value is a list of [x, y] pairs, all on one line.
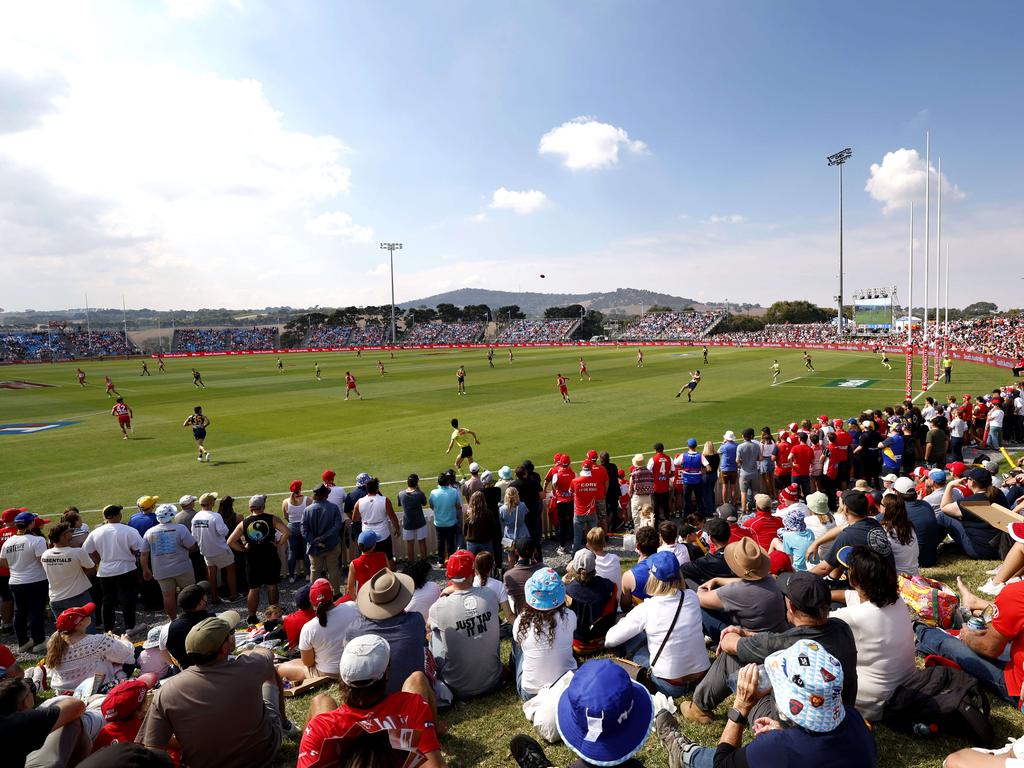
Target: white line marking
{"points": [[787, 381], [914, 399]]}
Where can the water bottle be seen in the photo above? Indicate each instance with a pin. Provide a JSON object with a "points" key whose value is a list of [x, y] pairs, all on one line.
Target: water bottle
{"points": [[922, 730]]}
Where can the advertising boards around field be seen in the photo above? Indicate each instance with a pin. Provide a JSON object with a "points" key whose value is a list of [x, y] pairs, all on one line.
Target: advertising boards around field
{"points": [[909, 354]]}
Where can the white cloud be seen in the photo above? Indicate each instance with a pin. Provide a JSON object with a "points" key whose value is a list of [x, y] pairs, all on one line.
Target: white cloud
{"points": [[900, 179], [190, 10], [730, 218], [522, 203], [585, 143], [340, 224], [478, 218]]}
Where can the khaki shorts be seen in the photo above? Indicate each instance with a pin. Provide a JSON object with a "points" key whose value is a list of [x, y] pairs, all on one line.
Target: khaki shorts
{"points": [[222, 560], [182, 580]]}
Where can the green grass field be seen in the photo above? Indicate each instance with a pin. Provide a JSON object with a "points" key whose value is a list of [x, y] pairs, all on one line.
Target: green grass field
{"points": [[269, 428]]}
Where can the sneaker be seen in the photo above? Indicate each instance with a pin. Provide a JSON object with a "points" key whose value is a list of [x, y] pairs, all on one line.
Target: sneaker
{"points": [[992, 572], [528, 753], [137, 630], [693, 713], [676, 743], [561, 551], [991, 588], [207, 455], [40, 648], [25, 647]]}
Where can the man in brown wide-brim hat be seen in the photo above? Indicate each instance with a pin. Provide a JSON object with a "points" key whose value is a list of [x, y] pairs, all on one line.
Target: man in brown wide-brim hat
{"points": [[752, 600]]}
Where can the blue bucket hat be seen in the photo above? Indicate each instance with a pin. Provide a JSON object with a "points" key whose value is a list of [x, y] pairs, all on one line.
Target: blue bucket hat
{"points": [[794, 520], [807, 683], [544, 590], [664, 566], [603, 716], [362, 479]]}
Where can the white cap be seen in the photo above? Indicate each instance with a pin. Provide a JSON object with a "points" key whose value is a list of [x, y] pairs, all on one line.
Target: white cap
{"points": [[890, 478], [903, 485], [474, 467], [365, 659], [187, 499], [165, 513], [730, 435]]}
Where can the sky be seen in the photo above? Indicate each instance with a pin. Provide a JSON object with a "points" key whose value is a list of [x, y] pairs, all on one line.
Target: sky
{"points": [[251, 153]]}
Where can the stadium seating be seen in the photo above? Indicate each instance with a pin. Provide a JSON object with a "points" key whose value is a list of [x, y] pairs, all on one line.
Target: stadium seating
{"points": [[224, 339], [532, 331], [671, 326], [444, 333], [370, 335], [63, 345]]}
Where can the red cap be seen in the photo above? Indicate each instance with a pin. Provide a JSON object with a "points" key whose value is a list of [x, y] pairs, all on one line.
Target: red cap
{"points": [[957, 468], [837, 423], [789, 495], [564, 460], [328, 475], [321, 591], [11, 513], [557, 458], [780, 562], [622, 473], [460, 565], [592, 455], [39, 522], [72, 617], [125, 698], [295, 486], [783, 434], [823, 418], [588, 465], [6, 658], [920, 473]]}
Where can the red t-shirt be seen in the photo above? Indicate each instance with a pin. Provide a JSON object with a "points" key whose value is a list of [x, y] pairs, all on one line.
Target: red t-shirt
{"points": [[368, 564], [662, 471], [736, 533], [561, 485], [840, 449], [405, 716], [350, 382], [762, 528], [5, 534], [601, 476], [585, 493], [802, 455], [1008, 620], [782, 462], [550, 475], [294, 622]]}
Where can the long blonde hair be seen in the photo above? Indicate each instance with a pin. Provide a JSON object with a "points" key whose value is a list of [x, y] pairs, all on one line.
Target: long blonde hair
{"points": [[477, 507], [512, 498], [56, 647]]}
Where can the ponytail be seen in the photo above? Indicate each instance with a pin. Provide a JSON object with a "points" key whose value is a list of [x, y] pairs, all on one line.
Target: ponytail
{"points": [[994, 495], [56, 647], [322, 610]]}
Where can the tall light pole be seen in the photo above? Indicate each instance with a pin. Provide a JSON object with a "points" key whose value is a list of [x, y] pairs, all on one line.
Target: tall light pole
{"points": [[391, 248], [839, 158]]}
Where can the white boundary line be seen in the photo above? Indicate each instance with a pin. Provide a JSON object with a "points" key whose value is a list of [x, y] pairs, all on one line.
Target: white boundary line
{"points": [[915, 397], [779, 384]]}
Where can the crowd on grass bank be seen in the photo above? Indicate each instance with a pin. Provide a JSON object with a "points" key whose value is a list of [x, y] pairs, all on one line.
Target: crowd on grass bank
{"points": [[776, 569]]}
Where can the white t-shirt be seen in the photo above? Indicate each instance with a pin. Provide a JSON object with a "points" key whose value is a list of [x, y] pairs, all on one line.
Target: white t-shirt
{"points": [[685, 652], [678, 549], [423, 598], [116, 544], [22, 553], [995, 418], [958, 427], [326, 642], [210, 532], [545, 660], [819, 526], [885, 650], [497, 587], [906, 555], [609, 566], [1018, 406], [168, 545], [373, 512], [337, 496], [65, 570]]}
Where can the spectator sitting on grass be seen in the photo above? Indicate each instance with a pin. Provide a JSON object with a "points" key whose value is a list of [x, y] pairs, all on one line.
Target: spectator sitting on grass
{"points": [[49, 735], [750, 599], [542, 635], [713, 564], [592, 598], [369, 562], [321, 640], [634, 581], [425, 590]]}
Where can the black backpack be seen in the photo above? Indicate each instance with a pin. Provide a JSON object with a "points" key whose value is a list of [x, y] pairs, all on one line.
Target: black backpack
{"points": [[947, 701]]}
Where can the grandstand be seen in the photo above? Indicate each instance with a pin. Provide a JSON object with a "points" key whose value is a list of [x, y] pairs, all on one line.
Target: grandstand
{"points": [[224, 339], [785, 333], [62, 344], [444, 333], [532, 331], [672, 326], [328, 336]]}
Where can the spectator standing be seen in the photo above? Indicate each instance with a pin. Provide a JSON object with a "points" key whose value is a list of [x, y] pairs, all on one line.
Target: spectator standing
{"points": [[748, 460], [210, 531], [727, 468], [7, 530], [585, 493], [641, 488], [661, 492], [165, 557], [67, 571], [255, 536], [292, 509], [444, 500], [321, 529], [145, 518], [113, 546], [528, 484], [481, 527], [21, 554], [414, 524], [801, 455]]}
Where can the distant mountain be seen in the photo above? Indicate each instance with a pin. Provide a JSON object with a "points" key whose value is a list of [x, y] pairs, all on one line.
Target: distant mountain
{"points": [[628, 301]]}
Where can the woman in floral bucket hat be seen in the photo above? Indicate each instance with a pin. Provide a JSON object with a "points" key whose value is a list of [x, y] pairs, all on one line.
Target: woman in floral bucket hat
{"points": [[542, 634], [807, 687]]}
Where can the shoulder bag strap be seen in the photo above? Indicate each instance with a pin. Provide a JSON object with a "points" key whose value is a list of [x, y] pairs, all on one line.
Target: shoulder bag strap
{"points": [[679, 607]]}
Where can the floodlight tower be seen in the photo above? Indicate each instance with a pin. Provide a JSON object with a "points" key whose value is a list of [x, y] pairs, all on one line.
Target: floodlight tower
{"points": [[391, 248], [839, 158]]}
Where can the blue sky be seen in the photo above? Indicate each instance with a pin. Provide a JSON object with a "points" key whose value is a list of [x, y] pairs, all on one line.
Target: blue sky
{"points": [[243, 154]]}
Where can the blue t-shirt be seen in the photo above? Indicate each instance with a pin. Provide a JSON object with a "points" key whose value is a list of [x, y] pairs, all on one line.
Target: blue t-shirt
{"points": [[728, 453], [142, 521], [444, 501], [895, 444], [851, 745], [795, 544]]}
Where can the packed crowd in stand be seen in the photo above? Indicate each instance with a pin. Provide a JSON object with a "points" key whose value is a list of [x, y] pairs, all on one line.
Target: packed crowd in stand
{"points": [[63, 344], [663, 326], [224, 339], [369, 335], [778, 569], [444, 333], [807, 333], [525, 331]]}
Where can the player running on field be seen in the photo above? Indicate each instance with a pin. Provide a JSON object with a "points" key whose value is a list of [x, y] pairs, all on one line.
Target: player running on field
{"points": [[197, 379], [110, 387], [807, 362], [81, 376], [145, 369], [460, 377], [776, 370], [124, 416], [639, 358], [705, 351], [583, 370], [460, 438], [510, 358], [885, 360], [350, 385], [490, 356], [280, 365], [199, 422], [316, 371], [160, 365], [690, 386], [380, 367], [563, 388]]}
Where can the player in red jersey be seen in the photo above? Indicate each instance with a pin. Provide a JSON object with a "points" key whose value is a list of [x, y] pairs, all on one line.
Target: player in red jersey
{"points": [[583, 370], [160, 365], [124, 416], [110, 387], [510, 355], [563, 388], [350, 385], [380, 367], [81, 376], [639, 358]]}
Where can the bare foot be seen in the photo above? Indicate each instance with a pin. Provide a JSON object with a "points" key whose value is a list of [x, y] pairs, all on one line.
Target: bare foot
{"points": [[968, 599]]}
